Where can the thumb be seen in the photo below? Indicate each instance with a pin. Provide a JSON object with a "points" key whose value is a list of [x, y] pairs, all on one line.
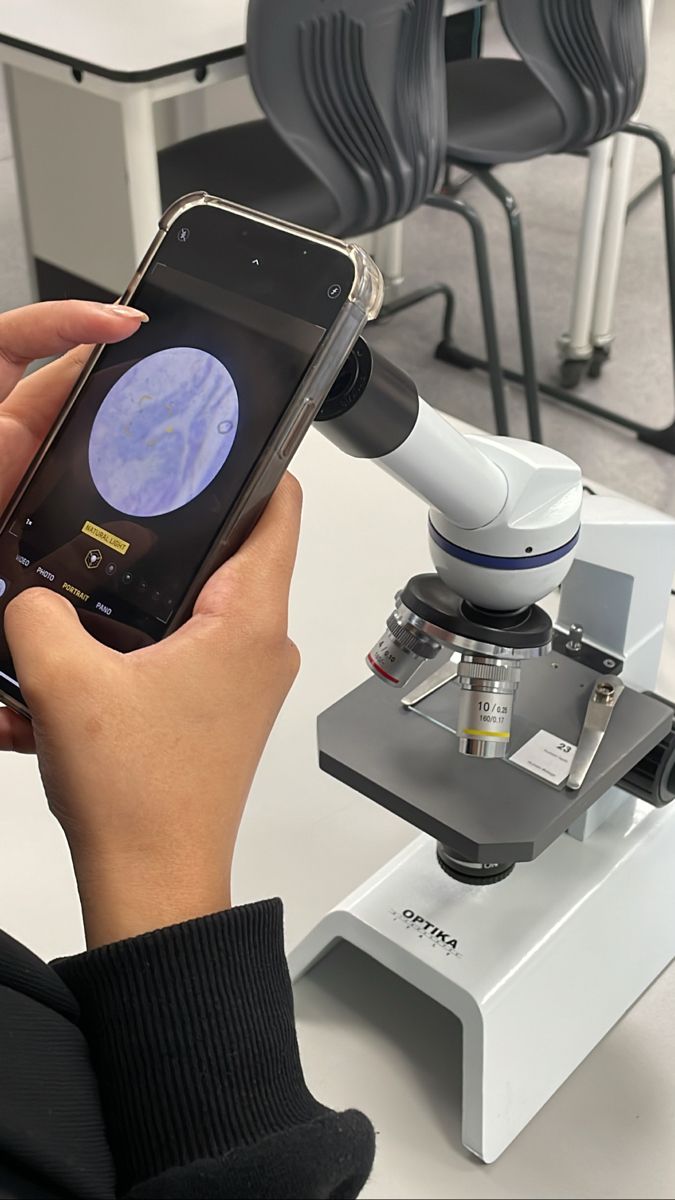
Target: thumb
{"points": [[47, 643]]}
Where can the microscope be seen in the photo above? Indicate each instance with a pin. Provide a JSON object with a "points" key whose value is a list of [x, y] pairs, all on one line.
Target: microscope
{"points": [[532, 752]]}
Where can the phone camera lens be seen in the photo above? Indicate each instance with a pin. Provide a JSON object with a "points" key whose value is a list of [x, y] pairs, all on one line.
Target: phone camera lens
{"points": [[334, 290]]}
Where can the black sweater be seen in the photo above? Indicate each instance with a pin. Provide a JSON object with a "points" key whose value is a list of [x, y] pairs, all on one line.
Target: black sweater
{"points": [[166, 1066]]}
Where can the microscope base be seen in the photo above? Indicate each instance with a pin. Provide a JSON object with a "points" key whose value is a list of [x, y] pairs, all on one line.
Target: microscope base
{"points": [[538, 968]]}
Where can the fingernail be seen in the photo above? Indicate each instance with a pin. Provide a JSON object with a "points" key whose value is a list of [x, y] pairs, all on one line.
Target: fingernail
{"points": [[123, 310]]}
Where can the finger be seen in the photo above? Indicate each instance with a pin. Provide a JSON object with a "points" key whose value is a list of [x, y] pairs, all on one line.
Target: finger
{"points": [[28, 415], [272, 546], [41, 330], [263, 567], [16, 732], [48, 645], [37, 399]]}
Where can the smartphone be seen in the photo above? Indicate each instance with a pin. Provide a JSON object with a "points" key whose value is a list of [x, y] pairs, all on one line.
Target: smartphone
{"points": [[172, 442]]}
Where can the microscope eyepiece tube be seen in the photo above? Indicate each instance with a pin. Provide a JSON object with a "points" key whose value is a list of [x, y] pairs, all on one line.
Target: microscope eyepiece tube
{"points": [[374, 411]]}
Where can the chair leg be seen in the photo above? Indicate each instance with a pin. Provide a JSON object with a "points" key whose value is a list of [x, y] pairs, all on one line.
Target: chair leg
{"points": [[411, 298], [441, 289], [445, 350], [656, 437], [646, 190], [663, 438], [510, 206]]}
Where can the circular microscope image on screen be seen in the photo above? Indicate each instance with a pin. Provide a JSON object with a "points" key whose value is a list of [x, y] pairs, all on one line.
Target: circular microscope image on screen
{"points": [[163, 432]]}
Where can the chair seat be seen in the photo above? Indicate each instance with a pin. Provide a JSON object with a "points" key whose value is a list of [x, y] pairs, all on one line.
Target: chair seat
{"points": [[250, 165], [498, 111]]}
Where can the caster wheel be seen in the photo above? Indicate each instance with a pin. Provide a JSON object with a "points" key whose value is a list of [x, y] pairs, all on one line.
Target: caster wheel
{"points": [[598, 360], [571, 372]]}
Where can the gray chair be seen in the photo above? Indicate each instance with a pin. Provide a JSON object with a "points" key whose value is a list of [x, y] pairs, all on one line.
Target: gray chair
{"points": [[579, 78], [354, 135]]}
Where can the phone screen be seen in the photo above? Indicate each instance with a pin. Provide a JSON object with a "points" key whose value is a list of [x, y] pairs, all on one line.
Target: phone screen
{"points": [[141, 476]]}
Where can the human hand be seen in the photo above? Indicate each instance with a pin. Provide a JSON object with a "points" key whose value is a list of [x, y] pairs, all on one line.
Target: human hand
{"points": [[147, 758], [29, 407]]}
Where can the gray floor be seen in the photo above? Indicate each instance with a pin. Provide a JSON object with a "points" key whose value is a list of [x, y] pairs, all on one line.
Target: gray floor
{"points": [[638, 380]]}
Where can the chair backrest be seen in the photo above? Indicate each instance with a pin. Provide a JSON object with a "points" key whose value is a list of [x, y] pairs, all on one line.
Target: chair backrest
{"points": [[589, 54], [357, 89]]}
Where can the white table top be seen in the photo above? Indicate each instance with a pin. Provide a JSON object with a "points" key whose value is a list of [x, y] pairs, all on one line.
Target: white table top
{"points": [[127, 39], [132, 40], [369, 1040]]}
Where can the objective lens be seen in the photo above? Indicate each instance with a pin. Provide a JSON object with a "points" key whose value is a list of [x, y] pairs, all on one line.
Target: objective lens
{"points": [[488, 686], [400, 651]]}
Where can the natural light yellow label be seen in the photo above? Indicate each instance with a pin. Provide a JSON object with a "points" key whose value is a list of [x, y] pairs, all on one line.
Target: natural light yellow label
{"points": [[108, 539]]}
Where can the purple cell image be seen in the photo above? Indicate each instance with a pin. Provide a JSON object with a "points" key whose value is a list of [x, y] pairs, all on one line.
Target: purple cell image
{"points": [[163, 432]]}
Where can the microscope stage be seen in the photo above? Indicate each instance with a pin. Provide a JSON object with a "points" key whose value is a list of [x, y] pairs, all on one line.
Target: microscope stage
{"points": [[486, 810]]}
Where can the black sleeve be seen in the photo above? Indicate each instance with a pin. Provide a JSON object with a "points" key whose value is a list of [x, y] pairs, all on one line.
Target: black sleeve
{"points": [[52, 1135], [192, 1037]]}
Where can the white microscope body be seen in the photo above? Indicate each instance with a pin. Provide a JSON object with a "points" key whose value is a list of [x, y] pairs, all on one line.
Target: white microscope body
{"points": [[492, 497], [535, 965]]}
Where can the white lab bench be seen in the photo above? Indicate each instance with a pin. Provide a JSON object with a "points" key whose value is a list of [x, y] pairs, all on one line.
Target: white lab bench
{"points": [[368, 1039], [82, 91]]}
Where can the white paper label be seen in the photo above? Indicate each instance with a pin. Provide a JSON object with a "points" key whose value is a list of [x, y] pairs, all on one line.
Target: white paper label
{"points": [[546, 756]]}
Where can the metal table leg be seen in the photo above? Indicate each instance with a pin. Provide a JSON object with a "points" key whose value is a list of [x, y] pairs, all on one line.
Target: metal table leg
{"points": [[576, 345], [600, 326], [386, 247], [140, 156]]}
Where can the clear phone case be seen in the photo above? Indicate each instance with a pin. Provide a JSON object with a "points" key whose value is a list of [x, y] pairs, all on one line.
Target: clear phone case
{"points": [[362, 305]]}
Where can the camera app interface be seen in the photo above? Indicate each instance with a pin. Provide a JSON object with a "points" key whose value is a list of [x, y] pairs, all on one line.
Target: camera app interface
{"points": [[156, 449]]}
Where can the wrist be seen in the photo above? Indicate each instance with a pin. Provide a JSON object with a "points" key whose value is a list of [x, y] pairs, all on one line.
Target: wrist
{"points": [[122, 899]]}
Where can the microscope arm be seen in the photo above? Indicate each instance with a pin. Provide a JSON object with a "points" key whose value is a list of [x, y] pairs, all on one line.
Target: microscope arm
{"points": [[503, 527]]}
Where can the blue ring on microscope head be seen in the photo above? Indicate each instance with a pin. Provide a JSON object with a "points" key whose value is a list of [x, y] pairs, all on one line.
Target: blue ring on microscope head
{"points": [[494, 562]]}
